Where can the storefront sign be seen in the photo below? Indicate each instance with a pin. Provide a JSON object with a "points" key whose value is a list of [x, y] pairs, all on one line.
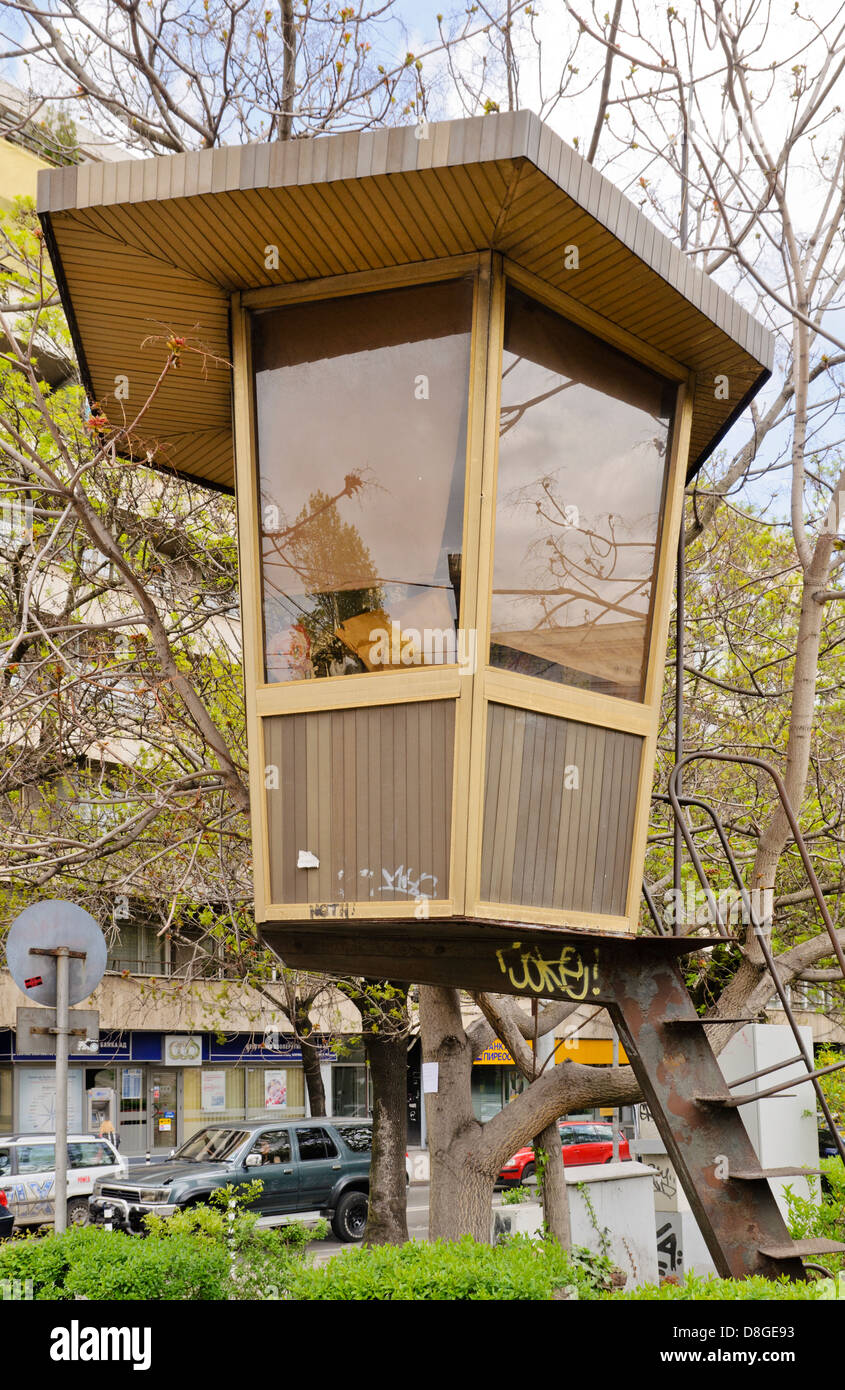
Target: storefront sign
{"points": [[247, 1047], [181, 1051], [495, 1055]]}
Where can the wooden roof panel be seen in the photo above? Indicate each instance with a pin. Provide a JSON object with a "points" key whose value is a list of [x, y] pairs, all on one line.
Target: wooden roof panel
{"points": [[162, 242]]}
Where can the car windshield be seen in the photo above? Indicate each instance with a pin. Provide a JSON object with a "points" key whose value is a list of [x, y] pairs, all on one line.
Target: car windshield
{"points": [[212, 1145]]}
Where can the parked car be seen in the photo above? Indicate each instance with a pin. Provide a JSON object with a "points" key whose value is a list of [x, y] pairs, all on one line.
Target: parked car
{"points": [[582, 1141], [317, 1167], [827, 1145], [28, 1174], [7, 1218]]}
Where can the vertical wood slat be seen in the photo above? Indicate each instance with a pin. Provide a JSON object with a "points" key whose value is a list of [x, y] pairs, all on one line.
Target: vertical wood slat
{"points": [[546, 844], [495, 763], [368, 791]]}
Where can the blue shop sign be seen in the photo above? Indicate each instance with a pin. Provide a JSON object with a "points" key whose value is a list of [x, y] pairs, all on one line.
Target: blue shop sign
{"points": [[112, 1047], [260, 1047]]}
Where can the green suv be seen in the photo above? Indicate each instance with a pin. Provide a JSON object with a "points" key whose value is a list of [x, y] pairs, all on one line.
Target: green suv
{"points": [[315, 1167]]}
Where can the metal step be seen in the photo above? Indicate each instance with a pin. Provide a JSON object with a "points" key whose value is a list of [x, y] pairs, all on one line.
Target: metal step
{"points": [[753, 1174], [802, 1248], [701, 1022]]}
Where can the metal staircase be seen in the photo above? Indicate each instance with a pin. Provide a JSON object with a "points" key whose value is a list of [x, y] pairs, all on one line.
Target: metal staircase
{"points": [[692, 1105]]}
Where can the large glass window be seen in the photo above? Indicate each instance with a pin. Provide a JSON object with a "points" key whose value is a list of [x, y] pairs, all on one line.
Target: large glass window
{"points": [[350, 1091], [263, 1092], [212, 1094], [583, 449], [361, 408]]}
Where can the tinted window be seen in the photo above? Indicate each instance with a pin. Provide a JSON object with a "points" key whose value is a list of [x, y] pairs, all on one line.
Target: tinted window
{"points": [[273, 1146], [315, 1143], [358, 1138], [36, 1158], [361, 409], [5, 1162], [90, 1155], [583, 444]]}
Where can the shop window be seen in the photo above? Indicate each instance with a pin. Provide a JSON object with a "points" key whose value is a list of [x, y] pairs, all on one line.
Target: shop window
{"points": [[361, 407], [270, 1088], [350, 1091], [211, 1094], [583, 449]]}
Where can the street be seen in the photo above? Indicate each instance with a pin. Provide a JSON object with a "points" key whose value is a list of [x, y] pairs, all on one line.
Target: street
{"points": [[322, 1250]]}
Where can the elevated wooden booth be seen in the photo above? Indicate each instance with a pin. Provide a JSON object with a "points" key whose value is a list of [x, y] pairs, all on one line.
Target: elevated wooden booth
{"points": [[469, 382]]}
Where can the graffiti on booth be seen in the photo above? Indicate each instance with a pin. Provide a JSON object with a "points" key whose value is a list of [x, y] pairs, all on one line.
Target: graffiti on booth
{"points": [[570, 971]]}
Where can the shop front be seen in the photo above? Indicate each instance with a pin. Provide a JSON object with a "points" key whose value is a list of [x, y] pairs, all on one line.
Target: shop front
{"points": [[496, 1080], [157, 1089]]}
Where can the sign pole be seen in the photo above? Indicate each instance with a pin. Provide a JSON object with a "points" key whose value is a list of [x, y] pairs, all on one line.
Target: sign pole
{"points": [[62, 1028]]}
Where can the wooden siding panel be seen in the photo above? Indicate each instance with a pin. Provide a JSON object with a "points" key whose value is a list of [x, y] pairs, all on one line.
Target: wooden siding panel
{"points": [[368, 791], [548, 845]]}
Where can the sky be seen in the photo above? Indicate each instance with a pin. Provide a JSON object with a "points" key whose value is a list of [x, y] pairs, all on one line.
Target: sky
{"points": [[546, 49]]}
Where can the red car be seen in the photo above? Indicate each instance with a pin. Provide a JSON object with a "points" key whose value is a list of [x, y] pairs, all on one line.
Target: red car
{"points": [[582, 1141]]}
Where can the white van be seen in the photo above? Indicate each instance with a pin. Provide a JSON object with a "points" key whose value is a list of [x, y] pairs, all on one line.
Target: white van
{"points": [[28, 1174]]}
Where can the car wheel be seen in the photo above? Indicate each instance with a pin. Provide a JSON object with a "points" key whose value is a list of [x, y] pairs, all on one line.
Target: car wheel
{"points": [[528, 1172], [350, 1217], [77, 1212]]}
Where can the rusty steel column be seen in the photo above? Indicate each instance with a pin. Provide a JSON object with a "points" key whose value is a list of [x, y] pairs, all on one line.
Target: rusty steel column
{"points": [[680, 1078]]}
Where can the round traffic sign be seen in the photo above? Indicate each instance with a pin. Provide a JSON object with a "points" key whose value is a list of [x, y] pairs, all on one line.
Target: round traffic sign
{"points": [[47, 925]]}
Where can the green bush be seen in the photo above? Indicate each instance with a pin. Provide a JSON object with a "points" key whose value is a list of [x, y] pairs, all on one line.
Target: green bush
{"points": [[204, 1252], [808, 1218], [100, 1264], [463, 1270], [696, 1288], [513, 1196]]}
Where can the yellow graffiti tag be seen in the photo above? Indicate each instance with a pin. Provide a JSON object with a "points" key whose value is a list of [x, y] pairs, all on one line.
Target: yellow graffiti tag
{"points": [[568, 973]]}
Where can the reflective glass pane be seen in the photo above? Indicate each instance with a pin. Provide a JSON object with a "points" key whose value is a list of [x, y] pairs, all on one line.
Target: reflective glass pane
{"points": [[583, 448], [361, 416]]}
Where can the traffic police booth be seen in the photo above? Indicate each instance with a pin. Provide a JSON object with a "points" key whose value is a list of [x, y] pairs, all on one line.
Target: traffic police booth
{"points": [[459, 383]]}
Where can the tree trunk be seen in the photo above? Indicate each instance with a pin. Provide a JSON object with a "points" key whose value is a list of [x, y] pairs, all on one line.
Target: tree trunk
{"points": [[313, 1078], [776, 834], [461, 1192], [553, 1189], [387, 1222], [310, 1059]]}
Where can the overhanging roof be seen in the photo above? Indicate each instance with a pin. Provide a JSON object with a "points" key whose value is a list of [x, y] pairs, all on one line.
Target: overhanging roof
{"points": [[148, 247]]}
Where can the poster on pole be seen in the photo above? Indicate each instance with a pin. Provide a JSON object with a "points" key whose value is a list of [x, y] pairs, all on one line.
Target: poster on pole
{"points": [[275, 1090]]}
